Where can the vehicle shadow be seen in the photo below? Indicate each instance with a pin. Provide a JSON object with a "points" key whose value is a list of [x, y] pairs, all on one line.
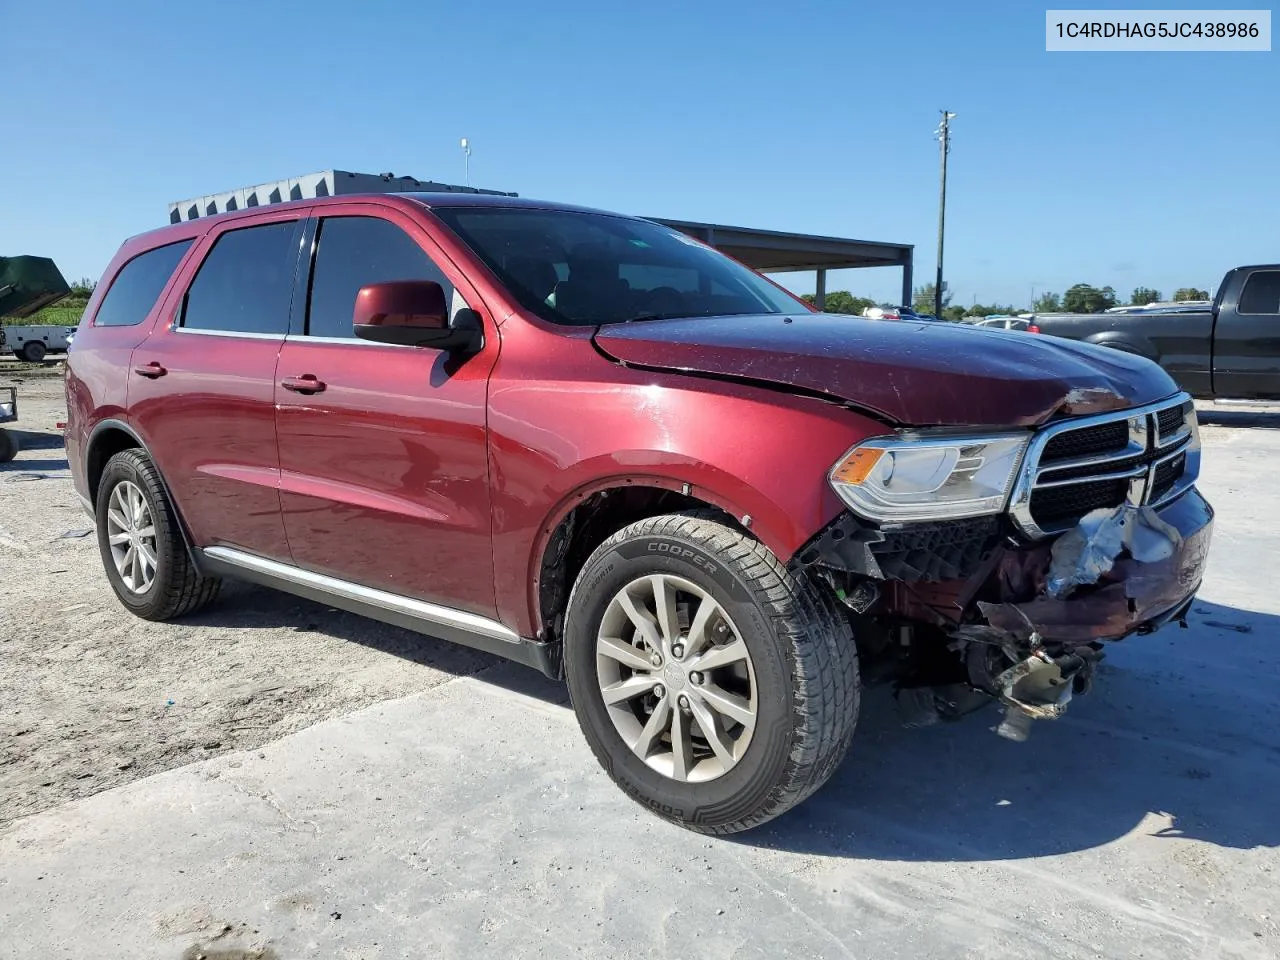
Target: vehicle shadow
{"points": [[39, 440], [31, 440], [1238, 418], [1180, 738], [28, 465], [246, 605]]}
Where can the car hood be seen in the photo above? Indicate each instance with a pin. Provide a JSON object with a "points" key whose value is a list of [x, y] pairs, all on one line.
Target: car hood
{"points": [[916, 374]]}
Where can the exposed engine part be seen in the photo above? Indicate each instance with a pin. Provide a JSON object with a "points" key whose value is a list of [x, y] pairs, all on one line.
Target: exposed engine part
{"points": [[861, 598], [1015, 726], [1037, 686], [926, 706], [1032, 680], [917, 706]]}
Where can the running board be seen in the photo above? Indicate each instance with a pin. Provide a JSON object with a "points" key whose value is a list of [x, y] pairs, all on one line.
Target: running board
{"points": [[457, 626]]}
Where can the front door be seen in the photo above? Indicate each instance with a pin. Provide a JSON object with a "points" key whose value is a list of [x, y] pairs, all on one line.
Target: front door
{"points": [[1246, 341], [384, 474], [202, 386]]}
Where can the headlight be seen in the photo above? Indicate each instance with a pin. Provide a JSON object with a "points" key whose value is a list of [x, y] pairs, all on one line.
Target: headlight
{"points": [[929, 478]]}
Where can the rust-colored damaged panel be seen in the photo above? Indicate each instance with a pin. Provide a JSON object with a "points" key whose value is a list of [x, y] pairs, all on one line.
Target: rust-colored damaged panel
{"points": [[1130, 595]]}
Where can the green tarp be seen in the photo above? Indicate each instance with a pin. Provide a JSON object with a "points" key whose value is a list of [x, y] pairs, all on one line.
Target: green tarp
{"points": [[28, 284]]}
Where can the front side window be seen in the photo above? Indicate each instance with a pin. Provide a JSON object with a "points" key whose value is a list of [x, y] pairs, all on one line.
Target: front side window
{"points": [[245, 283], [138, 285], [582, 269], [353, 252], [1261, 293]]}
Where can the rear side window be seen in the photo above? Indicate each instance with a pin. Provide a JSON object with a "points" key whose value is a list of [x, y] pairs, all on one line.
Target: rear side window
{"points": [[1261, 293], [245, 283], [138, 284], [354, 252]]}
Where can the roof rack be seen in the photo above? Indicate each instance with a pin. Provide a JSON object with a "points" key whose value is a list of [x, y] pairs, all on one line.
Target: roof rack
{"points": [[326, 183]]}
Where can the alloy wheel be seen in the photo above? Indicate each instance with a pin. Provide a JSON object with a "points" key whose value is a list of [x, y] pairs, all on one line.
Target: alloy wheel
{"points": [[131, 535], [676, 678]]}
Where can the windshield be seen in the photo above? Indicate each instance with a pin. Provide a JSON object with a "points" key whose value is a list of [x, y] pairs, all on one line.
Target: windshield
{"points": [[583, 269]]}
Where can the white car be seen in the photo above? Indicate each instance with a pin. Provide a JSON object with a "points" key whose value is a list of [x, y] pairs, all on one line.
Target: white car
{"points": [[1008, 323]]}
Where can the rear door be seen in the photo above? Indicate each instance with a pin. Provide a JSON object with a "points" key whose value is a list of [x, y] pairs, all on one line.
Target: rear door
{"points": [[126, 303], [202, 391], [1246, 340], [384, 459]]}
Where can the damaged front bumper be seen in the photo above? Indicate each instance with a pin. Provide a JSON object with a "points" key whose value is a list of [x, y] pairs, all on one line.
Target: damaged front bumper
{"points": [[958, 613], [1121, 571]]}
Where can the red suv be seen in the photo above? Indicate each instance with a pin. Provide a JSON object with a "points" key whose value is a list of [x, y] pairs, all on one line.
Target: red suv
{"points": [[594, 445]]}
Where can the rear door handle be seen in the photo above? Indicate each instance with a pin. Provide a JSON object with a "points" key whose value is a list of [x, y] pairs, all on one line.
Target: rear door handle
{"points": [[151, 371], [307, 383]]}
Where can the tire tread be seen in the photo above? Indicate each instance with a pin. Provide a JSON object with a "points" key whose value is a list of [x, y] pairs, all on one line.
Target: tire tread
{"points": [[819, 646], [185, 590]]}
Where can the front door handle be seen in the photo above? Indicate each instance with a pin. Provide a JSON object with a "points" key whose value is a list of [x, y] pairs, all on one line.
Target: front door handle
{"points": [[307, 383], [152, 370]]}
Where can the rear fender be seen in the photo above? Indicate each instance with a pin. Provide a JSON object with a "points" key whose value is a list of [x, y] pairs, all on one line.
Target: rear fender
{"points": [[97, 436], [1128, 342]]}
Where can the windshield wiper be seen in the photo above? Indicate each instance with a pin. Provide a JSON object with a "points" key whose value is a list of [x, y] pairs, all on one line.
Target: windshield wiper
{"points": [[654, 316]]}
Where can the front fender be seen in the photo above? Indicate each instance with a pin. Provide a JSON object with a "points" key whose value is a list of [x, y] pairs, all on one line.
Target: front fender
{"points": [[760, 455]]}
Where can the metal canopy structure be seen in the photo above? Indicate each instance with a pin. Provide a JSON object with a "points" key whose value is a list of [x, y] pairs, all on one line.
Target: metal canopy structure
{"points": [[772, 251], [769, 251]]}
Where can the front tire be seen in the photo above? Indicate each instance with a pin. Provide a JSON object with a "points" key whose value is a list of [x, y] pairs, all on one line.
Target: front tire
{"points": [[142, 548], [714, 687]]}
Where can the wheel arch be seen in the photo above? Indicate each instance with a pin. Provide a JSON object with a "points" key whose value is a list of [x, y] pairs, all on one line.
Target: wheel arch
{"points": [[110, 437], [589, 515], [1115, 340]]}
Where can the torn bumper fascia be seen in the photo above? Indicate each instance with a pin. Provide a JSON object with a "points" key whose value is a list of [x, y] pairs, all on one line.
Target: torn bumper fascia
{"points": [[1134, 569], [949, 575]]}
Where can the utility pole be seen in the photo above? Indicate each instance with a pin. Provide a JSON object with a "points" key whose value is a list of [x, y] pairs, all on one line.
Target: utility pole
{"points": [[944, 138], [466, 150]]}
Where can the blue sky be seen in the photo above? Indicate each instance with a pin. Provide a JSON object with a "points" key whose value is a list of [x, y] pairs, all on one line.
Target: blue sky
{"points": [[1123, 169]]}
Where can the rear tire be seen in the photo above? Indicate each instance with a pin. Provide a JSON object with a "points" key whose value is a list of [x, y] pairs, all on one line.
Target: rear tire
{"points": [[34, 351], [798, 673], [147, 564], [8, 446]]}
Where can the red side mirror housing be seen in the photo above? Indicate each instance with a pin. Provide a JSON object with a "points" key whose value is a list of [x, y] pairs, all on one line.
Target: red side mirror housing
{"points": [[412, 313]]}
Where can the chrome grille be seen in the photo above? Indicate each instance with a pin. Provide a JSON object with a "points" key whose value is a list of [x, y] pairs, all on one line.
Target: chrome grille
{"points": [[1086, 441], [1147, 455]]}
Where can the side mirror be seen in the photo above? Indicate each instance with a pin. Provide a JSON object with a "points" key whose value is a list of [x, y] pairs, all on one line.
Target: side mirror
{"points": [[412, 313]]}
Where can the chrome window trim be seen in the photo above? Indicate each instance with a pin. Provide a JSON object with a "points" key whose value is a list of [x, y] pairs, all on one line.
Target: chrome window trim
{"points": [[352, 341], [1142, 422], [227, 333], [391, 602]]}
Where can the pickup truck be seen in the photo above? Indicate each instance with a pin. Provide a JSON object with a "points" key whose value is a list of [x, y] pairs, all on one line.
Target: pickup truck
{"points": [[593, 445], [34, 342], [1229, 351]]}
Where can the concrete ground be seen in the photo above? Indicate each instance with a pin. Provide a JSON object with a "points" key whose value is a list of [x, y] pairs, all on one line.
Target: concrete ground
{"points": [[469, 819]]}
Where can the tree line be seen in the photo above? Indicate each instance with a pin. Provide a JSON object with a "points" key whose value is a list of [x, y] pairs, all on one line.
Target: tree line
{"points": [[1081, 298]]}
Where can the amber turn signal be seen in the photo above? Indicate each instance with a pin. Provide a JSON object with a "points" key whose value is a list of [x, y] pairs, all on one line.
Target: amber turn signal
{"points": [[857, 466]]}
